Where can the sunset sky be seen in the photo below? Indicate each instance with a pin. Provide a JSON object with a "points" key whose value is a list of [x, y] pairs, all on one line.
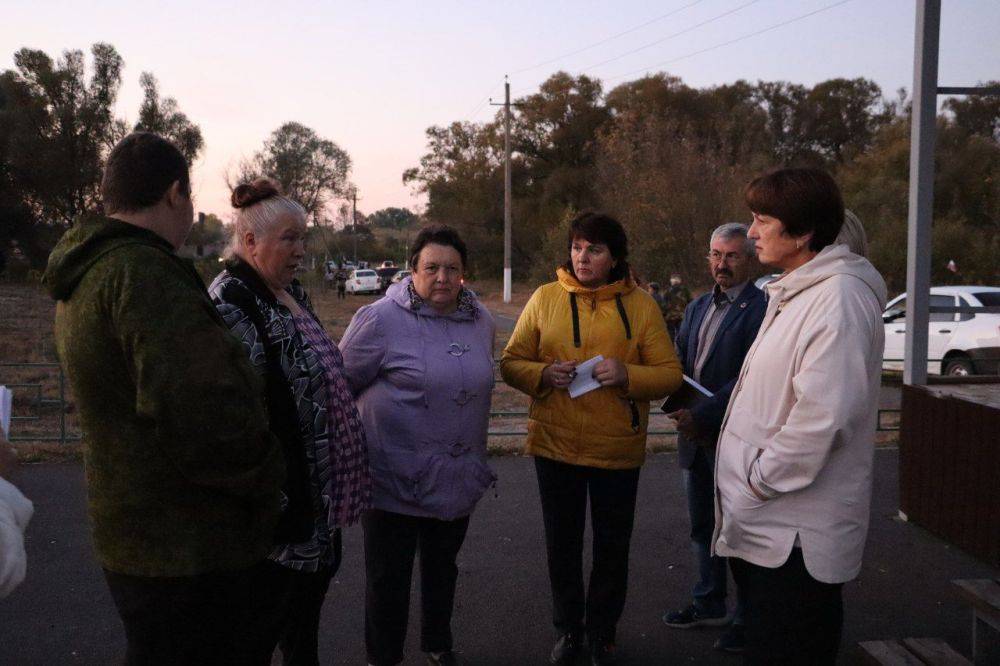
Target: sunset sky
{"points": [[372, 75]]}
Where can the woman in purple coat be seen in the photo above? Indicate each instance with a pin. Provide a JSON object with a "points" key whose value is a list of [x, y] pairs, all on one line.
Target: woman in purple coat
{"points": [[420, 363]]}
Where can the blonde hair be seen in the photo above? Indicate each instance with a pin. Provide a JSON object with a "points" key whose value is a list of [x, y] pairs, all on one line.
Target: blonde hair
{"points": [[259, 204], [852, 234]]}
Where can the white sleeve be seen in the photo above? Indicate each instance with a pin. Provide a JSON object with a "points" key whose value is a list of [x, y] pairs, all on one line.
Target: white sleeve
{"points": [[15, 512]]}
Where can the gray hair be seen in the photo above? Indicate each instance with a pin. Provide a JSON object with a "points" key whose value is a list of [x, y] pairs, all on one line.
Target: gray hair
{"points": [[732, 230], [259, 219], [852, 234]]}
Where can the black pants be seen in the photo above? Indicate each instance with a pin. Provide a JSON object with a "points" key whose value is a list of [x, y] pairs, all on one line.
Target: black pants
{"points": [[791, 618], [217, 618], [564, 489], [391, 541], [301, 598]]}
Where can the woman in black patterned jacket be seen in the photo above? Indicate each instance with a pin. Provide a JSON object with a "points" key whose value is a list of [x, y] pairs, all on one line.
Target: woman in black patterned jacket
{"points": [[310, 408]]}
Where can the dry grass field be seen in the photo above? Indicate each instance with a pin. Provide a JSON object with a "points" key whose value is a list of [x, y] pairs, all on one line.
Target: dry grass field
{"points": [[29, 366]]}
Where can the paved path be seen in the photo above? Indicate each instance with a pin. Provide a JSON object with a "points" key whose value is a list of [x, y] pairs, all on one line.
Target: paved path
{"points": [[63, 613]]}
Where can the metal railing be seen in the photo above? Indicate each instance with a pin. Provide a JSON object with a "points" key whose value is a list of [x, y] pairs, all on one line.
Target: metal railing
{"points": [[38, 403], [880, 425]]}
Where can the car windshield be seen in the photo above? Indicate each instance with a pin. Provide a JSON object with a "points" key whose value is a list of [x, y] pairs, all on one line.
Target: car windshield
{"points": [[365, 273], [988, 298]]}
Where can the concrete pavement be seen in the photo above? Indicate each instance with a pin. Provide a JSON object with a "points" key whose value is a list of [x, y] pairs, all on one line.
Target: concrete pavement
{"points": [[63, 613]]}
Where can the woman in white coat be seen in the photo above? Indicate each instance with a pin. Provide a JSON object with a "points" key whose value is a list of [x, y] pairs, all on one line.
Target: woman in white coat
{"points": [[15, 512], [794, 459]]}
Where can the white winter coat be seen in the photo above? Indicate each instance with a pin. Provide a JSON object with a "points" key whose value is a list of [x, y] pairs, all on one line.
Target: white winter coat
{"points": [[15, 512], [800, 425]]}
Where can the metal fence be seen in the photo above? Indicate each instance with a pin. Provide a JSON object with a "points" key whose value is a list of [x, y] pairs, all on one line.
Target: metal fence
{"points": [[41, 408]]}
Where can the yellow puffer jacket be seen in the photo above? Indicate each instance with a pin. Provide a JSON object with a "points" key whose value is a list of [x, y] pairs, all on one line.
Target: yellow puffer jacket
{"points": [[607, 427]]}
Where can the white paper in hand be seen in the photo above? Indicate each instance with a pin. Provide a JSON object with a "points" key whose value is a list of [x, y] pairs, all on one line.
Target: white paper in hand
{"points": [[584, 381]]}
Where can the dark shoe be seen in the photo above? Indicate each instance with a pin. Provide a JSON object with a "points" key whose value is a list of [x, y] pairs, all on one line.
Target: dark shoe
{"points": [[446, 658], [566, 649], [733, 641], [692, 616], [602, 653]]}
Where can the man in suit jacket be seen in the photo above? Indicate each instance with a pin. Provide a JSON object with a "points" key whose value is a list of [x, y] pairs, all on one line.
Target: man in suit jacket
{"points": [[717, 330]]}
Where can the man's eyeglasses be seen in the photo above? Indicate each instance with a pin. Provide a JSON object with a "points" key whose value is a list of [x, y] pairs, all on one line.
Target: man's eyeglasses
{"points": [[730, 257]]}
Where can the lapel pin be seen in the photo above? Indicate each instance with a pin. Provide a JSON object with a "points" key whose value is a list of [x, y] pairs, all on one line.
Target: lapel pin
{"points": [[743, 305]]}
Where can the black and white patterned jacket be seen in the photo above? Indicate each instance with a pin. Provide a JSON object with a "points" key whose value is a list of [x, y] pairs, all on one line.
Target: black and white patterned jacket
{"points": [[296, 388]]}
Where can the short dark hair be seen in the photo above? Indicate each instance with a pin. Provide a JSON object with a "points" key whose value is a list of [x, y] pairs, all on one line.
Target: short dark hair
{"points": [[600, 228], [806, 200], [438, 234], [140, 170]]}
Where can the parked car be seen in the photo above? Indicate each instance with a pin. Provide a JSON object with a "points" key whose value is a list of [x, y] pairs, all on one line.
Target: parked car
{"points": [[388, 263], [958, 343], [362, 280], [401, 275], [385, 275]]}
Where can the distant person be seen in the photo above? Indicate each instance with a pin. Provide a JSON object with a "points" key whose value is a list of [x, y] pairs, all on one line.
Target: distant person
{"points": [[794, 461], [676, 299], [183, 475], [311, 409], [592, 445], [420, 361], [329, 276], [341, 284], [717, 331], [654, 290], [15, 512]]}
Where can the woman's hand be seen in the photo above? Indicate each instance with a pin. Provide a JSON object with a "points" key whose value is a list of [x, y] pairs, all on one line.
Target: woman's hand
{"points": [[559, 374], [611, 372]]}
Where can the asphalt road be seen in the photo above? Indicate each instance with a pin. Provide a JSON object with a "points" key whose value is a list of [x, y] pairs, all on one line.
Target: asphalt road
{"points": [[64, 615]]}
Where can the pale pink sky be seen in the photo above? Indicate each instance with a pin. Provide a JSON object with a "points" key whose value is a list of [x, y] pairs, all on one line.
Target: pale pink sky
{"points": [[372, 76]]}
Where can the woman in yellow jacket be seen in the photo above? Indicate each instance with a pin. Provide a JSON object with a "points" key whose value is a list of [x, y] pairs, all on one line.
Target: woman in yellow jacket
{"points": [[593, 444]]}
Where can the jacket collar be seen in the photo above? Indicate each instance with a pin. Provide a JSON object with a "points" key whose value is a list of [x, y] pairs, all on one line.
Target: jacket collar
{"points": [[736, 308], [246, 273], [604, 293], [832, 260]]}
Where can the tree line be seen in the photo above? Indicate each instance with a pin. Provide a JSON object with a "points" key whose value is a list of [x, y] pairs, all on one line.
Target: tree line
{"points": [[57, 124], [671, 161]]}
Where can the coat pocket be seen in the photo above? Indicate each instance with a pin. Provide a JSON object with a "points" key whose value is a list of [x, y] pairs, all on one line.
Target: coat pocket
{"points": [[449, 486]]}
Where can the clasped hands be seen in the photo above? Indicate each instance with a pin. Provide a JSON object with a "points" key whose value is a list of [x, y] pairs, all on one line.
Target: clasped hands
{"points": [[609, 372]]}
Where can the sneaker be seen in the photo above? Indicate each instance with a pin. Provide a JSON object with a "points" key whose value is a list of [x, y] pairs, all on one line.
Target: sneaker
{"points": [[733, 640], [692, 616], [602, 653], [566, 649], [446, 658]]}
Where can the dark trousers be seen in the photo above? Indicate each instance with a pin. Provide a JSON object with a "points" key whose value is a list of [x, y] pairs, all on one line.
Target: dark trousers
{"points": [[709, 593], [564, 490], [791, 618], [391, 542], [301, 595], [216, 618]]}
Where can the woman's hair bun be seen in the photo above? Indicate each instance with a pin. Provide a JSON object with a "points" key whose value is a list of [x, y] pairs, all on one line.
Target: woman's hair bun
{"points": [[247, 194]]}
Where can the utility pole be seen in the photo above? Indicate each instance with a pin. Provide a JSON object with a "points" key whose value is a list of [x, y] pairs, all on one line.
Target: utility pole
{"points": [[354, 222], [506, 190]]}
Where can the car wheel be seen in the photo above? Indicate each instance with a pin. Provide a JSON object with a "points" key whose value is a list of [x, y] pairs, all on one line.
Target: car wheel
{"points": [[958, 367]]}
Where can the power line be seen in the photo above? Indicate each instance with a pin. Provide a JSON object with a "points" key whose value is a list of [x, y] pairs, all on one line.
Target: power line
{"points": [[609, 39], [482, 103], [676, 34], [661, 40], [731, 41]]}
